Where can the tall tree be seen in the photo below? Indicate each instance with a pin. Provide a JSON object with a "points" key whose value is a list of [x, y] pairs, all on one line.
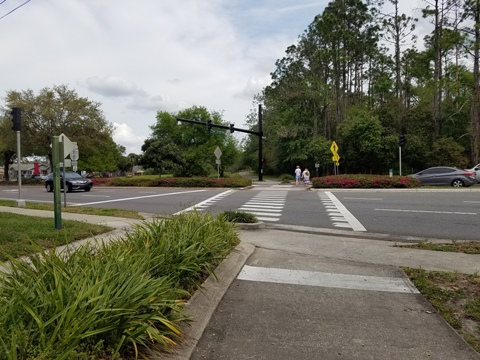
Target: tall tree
{"points": [[60, 110]]}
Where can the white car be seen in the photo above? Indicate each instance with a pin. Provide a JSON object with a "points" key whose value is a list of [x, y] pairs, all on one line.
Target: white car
{"points": [[476, 169]]}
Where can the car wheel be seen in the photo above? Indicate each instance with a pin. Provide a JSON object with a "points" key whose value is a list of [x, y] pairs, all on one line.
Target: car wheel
{"points": [[69, 188], [87, 189], [457, 183], [49, 187]]}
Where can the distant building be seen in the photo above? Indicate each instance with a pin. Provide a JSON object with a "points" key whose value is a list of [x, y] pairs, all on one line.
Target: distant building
{"points": [[27, 170]]}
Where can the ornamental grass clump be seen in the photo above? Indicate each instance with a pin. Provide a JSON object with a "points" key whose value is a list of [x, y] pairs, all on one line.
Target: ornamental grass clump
{"points": [[238, 216], [114, 300]]}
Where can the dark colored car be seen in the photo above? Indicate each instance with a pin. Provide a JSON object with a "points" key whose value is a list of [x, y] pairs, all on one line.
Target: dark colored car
{"points": [[444, 175], [73, 181]]}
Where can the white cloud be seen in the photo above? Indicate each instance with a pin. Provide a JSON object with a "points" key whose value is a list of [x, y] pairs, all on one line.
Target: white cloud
{"points": [[124, 136], [113, 86], [140, 57]]}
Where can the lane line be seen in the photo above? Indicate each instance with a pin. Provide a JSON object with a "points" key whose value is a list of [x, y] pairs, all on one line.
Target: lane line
{"points": [[352, 220], [358, 198], [330, 280], [138, 197], [429, 211]]}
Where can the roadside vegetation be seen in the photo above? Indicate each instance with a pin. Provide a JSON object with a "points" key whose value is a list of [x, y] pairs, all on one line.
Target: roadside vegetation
{"points": [[123, 299], [130, 214], [238, 216], [455, 296], [23, 235], [364, 182]]}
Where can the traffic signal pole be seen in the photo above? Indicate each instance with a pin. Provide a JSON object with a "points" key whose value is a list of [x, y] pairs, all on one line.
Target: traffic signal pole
{"points": [[400, 160], [17, 127], [20, 202], [231, 127]]}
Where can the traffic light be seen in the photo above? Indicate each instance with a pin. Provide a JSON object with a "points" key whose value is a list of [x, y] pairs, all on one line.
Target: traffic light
{"points": [[402, 140], [209, 125], [16, 119], [232, 128]]}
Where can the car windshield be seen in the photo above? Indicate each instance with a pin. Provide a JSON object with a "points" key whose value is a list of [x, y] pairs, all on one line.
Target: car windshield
{"points": [[73, 175]]}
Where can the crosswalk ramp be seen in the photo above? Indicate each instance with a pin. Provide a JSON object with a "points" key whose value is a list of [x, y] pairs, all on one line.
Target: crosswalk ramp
{"points": [[266, 205]]}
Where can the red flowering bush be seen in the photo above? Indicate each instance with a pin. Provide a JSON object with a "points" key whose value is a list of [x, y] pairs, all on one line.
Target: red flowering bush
{"points": [[364, 182]]}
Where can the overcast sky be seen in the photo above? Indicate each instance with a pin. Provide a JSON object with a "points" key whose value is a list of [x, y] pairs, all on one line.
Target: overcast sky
{"points": [[140, 57]]}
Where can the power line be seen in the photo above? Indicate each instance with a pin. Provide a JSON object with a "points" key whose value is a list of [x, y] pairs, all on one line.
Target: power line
{"points": [[11, 11]]}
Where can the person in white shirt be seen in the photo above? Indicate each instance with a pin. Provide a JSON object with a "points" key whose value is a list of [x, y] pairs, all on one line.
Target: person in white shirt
{"points": [[298, 174]]}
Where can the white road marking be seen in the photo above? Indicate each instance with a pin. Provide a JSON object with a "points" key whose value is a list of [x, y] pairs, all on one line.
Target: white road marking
{"points": [[205, 202], [266, 206], [255, 205], [340, 209], [358, 198], [260, 213], [321, 279], [137, 197], [430, 211]]}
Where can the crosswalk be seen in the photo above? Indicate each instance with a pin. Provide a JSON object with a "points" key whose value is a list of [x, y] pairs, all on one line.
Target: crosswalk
{"points": [[267, 205]]}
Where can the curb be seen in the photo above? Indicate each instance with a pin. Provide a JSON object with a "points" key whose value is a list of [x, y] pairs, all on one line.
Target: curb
{"points": [[250, 226], [205, 300]]}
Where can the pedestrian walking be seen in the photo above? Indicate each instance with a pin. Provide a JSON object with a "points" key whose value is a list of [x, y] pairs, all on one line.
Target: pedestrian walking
{"points": [[306, 176], [298, 174]]}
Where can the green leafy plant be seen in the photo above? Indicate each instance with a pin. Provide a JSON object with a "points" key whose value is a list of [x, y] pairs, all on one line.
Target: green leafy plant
{"points": [[237, 216], [110, 300], [286, 178]]}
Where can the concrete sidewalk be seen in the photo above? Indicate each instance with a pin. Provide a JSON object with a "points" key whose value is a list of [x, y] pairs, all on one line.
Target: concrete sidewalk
{"points": [[333, 297]]}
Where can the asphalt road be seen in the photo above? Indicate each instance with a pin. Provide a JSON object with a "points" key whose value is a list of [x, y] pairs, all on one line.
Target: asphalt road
{"points": [[429, 213]]}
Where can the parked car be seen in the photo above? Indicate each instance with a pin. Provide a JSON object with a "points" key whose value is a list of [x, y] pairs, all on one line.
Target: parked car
{"points": [[476, 170], [444, 175], [39, 177], [73, 181]]}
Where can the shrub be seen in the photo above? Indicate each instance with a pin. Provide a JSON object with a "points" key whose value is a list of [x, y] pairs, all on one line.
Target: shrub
{"points": [[239, 217], [286, 178], [113, 300], [364, 181]]}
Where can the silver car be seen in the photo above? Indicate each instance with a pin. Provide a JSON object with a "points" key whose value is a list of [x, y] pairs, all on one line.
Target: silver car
{"points": [[447, 176], [476, 169]]}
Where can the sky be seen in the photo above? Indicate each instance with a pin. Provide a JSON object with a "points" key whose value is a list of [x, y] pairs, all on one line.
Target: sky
{"points": [[140, 57]]}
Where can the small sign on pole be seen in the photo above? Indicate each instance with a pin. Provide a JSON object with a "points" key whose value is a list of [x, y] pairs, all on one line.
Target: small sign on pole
{"points": [[218, 153]]}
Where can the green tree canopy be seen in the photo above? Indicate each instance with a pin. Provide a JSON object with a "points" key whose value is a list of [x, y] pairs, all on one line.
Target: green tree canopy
{"points": [[60, 110]]}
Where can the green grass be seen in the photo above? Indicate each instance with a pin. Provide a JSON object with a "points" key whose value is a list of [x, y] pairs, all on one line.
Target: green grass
{"points": [[131, 214], [19, 233], [467, 247]]}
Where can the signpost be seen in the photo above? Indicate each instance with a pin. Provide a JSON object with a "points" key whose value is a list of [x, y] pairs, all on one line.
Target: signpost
{"points": [[335, 157], [218, 153]]}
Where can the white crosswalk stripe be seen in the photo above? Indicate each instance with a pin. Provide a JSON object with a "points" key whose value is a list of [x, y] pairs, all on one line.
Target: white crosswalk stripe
{"points": [[266, 205]]}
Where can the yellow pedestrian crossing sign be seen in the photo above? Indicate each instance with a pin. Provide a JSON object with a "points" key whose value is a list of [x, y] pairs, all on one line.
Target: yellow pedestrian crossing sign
{"points": [[334, 149]]}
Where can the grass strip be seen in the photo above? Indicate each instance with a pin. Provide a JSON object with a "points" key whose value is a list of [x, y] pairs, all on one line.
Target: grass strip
{"points": [[130, 214], [456, 297], [22, 235]]}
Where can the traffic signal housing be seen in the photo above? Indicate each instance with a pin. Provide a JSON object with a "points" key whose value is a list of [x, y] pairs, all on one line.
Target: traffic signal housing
{"points": [[232, 128], [16, 119], [402, 140], [209, 125]]}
